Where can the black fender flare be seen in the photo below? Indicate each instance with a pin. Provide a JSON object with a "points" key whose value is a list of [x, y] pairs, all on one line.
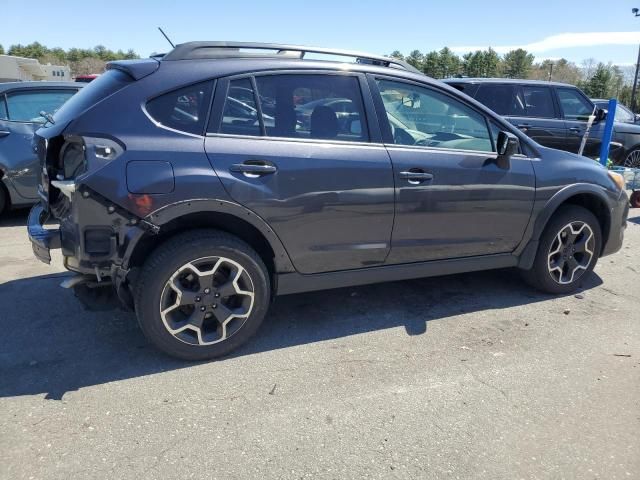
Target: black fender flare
{"points": [[170, 212], [546, 212]]}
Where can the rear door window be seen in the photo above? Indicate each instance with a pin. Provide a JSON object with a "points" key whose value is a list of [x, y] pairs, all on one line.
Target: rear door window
{"points": [[313, 106], [574, 105], [26, 105], [184, 109], [538, 101], [503, 99]]}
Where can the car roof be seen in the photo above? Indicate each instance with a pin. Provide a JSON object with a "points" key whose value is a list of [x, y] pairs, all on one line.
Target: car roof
{"points": [[515, 81], [5, 87]]}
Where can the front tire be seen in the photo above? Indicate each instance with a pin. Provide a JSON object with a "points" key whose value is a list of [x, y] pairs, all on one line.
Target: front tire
{"points": [[201, 295], [569, 249]]}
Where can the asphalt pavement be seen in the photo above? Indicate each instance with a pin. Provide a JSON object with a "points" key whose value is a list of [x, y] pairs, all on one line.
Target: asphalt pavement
{"points": [[459, 377]]}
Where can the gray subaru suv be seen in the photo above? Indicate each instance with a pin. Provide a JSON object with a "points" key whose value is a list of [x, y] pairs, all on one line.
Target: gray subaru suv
{"points": [[200, 185]]}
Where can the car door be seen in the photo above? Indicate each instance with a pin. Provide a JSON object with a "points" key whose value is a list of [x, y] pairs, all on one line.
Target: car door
{"points": [[18, 124], [324, 185], [575, 109], [452, 199]]}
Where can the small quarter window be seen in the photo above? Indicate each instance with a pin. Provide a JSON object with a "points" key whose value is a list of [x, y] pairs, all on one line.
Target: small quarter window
{"points": [[184, 109], [3, 109]]}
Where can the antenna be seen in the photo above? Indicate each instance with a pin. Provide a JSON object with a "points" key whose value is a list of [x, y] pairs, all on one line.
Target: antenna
{"points": [[165, 36]]}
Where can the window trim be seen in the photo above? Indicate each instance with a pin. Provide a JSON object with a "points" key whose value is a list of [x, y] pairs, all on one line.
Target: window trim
{"points": [[386, 127], [580, 94], [5, 96], [220, 96]]}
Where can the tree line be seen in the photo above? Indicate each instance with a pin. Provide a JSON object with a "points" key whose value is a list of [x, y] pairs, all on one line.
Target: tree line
{"points": [[81, 61], [597, 79]]}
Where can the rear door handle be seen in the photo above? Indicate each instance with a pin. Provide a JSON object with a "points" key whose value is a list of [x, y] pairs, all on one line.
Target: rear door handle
{"points": [[575, 129], [416, 176], [253, 169], [4, 133], [523, 126]]}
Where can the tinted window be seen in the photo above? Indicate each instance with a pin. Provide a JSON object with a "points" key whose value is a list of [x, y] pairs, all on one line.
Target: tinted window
{"points": [[574, 105], [425, 117], [26, 106], [240, 114], [313, 106], [502, 99], [538, 101], [184, 109], [3, 109], [105, 85]]}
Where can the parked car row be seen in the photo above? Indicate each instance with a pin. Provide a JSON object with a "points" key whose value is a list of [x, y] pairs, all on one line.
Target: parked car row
{"points": [[555, 115], [344, 173]]}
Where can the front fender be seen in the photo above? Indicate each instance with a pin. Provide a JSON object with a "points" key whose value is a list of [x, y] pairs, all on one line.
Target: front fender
{"points": [[545, 213]]}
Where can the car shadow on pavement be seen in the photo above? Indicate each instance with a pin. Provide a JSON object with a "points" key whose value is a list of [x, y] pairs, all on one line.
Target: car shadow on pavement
{"points": [[14, 218], [51, 345], [634, 216]]}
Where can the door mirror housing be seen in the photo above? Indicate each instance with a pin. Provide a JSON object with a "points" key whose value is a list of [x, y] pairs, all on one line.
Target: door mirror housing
{"points": [[601, 114], [507, 145]]}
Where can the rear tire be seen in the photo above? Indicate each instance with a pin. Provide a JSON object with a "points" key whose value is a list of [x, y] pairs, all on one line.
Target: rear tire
{"points": [[202, 294], [568, 251]]}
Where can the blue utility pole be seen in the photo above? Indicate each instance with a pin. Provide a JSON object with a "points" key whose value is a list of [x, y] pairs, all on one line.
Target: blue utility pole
{"points": [[608, 131]]}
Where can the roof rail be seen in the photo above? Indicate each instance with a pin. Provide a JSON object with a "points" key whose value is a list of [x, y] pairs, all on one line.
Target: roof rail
{"points": [[194, 50]]}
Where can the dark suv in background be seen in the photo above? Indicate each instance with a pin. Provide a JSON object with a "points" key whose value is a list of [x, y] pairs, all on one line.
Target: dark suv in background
{"points": [[200, 185], [554, 115]]}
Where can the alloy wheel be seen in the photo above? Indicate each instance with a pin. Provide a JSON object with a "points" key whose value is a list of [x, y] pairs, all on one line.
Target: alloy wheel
{"points": [[207, 300], [633, 159], [571, 252]]}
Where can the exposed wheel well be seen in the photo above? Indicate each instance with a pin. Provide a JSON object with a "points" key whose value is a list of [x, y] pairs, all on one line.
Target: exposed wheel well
{"points": [[596, 206], [220, 221]]}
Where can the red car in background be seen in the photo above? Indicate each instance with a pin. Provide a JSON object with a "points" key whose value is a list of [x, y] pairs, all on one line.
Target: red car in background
{"points": [[87, 78]]}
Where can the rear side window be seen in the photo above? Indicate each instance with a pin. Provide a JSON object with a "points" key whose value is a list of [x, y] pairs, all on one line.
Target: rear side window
{"points": [[106, 84], [184, 109], [574, 105], [538, 102], [25, 106], [502, 99], [311, 106]]}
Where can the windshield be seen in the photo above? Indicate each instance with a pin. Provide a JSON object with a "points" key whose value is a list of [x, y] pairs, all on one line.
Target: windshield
{"points": [[100, 88]]}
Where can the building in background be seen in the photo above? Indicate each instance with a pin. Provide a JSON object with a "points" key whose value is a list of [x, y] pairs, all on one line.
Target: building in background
{"points": [[17, 69]]}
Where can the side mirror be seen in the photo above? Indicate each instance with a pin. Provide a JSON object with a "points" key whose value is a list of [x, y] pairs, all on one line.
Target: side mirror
{"points": [[601, 114], [508, 145]]}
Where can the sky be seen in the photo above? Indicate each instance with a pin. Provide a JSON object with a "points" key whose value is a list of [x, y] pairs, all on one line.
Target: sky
{"points": [[576, 30]]}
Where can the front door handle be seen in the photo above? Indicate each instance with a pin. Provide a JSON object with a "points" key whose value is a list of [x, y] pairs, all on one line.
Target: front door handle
{"points": [[253, 170], [4, 133], [416, 176], [523, 126], [575, 129]]}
